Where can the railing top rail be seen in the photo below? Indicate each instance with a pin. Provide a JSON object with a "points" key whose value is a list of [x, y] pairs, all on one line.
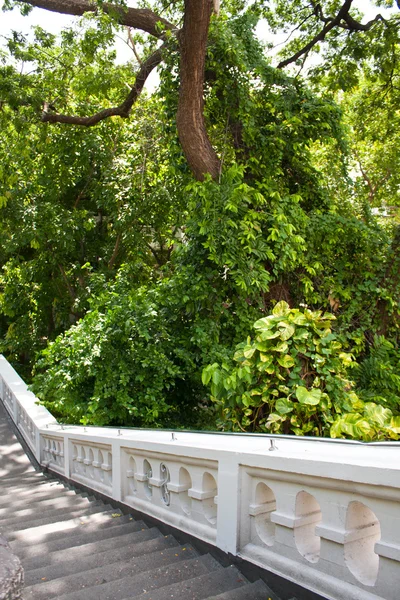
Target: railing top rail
{"points": [[239, 434]]}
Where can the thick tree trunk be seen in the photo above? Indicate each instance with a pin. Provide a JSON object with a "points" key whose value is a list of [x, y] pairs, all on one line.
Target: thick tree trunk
{"points": [[193, 137], [196, 146]]}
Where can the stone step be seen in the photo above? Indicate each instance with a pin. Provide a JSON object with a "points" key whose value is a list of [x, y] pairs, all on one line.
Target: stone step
{"points": [[24, 472], [104, 561], [46, 517], [46, 506], [44, 526], [19, 480], [145, 582], [199, 587], [114, 574], [27, 496], [23, 486], [252, 591], [90, 549], [101, 526]]}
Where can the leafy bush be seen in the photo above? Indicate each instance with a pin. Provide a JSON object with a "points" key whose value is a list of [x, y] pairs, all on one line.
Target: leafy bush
{"points": [[292, 378], [377, 375]]}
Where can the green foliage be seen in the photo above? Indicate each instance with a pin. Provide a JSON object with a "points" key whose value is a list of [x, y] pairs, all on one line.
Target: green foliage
{"points": [[114, 367], [377, 375], [293, 378], [136, 279], [290, 379]]}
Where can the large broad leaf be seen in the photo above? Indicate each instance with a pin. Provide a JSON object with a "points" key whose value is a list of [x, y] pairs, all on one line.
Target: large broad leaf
{"points": [[305, 396], [352, 425], [265, 323], [287, 332], [377, 414], [298, 319], [284, 406], [286, 361], [266, 368], [281, 347], [269, 335], [281, 308], [302, 334], [266, 358], [395, 424], [249, 351]]}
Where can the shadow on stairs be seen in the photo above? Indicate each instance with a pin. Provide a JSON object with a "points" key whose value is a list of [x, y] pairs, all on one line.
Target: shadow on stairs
{"points": [[75, 546]]}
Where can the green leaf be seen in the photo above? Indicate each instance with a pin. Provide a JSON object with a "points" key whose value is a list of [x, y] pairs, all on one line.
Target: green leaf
{"points": [[284, 406], [287, 332], [249, 351], [286, 361], [298, 318], [269, 335], [309, 397], [281, 347], [281, 308], [265, 323], [377, 414]]}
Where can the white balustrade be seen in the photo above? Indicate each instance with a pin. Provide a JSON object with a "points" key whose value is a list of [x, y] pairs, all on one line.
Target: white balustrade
{"points": [[175, 489], [53, 453], [324, 514], [91, 465]]}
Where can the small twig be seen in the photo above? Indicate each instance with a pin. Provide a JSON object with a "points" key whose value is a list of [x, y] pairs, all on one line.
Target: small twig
{"points": [[132, 45]]}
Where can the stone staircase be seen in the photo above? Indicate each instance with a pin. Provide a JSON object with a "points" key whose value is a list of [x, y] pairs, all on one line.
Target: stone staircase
{"points": [[74, 547]]}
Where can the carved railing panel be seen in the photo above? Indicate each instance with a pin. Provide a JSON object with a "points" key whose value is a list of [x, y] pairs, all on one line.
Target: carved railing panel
{"points": [[91, 465], [52, 455], [8, 397], [178, 488], [27, 426]]}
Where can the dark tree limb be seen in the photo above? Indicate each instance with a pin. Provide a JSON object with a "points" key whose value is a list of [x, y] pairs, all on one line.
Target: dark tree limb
{"points": [[123, 110], [138, 18], [354, 25], [193, 137], [114, 255], [196, 145], [343, 19]]}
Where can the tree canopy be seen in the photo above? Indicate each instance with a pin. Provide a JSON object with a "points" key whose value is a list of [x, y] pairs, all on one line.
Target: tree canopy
{"points": [[144, 234]]}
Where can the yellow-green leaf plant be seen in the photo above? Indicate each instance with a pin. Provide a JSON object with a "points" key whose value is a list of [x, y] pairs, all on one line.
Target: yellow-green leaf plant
{"points": [[291, 378]]}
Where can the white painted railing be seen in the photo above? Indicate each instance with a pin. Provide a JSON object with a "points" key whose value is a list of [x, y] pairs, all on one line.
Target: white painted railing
{"points": [[324, 514]]}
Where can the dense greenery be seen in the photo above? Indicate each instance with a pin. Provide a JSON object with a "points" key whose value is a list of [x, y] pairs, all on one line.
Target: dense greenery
{"points": [[128, 287]]}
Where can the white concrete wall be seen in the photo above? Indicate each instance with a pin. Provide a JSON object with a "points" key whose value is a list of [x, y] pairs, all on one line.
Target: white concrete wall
{"points": [[325, 514]]}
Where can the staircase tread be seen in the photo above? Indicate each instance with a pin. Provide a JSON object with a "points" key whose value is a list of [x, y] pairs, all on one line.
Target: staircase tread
{"points": [[198, 587], [252, 591], [14, 527], [50, 506], [147, 564], [132, 586], [36, 498], [43, 526], [90, 532], [89, 556]]}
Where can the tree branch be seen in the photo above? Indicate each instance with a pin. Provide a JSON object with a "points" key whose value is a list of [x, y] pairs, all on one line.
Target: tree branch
{"points": [[139, 18], [123, 110], [115, 251], [352, 25], [343, 19], [70, 289], [132, 45]]}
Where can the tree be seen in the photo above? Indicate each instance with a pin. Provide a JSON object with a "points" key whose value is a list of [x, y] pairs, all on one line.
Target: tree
{"points": [[316, 21], [215, 201]]}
